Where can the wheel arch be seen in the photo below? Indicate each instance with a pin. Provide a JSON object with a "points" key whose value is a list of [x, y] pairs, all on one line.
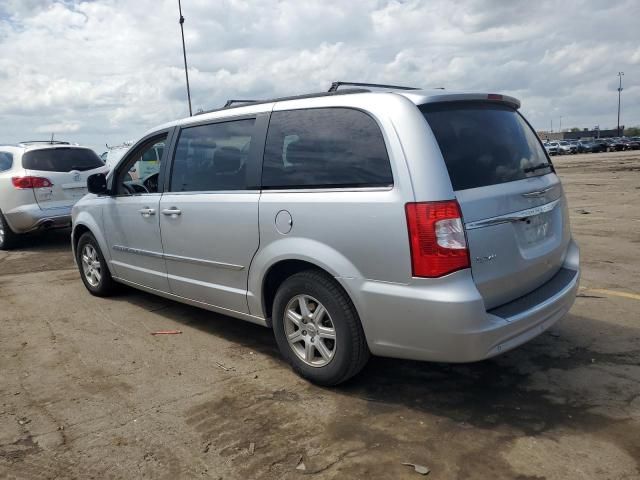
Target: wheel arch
{"points": [[84, 224], [284, 258]]}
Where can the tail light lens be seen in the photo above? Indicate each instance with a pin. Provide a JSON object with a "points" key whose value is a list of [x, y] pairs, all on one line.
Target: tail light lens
{"points": [[437, 239], [22, 183]]}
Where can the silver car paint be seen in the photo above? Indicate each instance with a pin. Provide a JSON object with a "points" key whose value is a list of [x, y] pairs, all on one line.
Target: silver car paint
{"points": [[360, 237]]}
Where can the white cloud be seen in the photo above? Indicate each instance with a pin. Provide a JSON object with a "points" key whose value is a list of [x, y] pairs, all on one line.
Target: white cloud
{"points": [[104, 71], [64, 127]]}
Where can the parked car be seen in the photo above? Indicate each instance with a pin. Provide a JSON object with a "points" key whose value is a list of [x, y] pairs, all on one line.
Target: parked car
{"points": [[583, 146], [630, 143], [615, 145], [552, 148], [600, 145], [564, 148], [418, 224], [39, 183], [573, 146]]}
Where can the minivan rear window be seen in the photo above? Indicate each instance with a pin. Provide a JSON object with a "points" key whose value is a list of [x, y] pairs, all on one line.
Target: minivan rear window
{"points": [[485, 143], [61, 160], [325, 148]]}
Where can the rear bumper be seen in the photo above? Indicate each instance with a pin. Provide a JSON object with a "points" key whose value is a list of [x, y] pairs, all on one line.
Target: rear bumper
{"points": [[27, 218], [447, 321]]}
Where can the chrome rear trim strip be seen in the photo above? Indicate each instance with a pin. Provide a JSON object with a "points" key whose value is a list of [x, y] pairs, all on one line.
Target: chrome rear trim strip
{"points": [[512, 217]]}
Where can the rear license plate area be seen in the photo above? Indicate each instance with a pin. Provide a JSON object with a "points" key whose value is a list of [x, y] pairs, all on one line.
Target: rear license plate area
{"points": [[536, 229]]}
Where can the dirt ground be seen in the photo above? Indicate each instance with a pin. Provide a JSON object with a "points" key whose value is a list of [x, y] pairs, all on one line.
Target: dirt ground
{"points": [[87, 392]]}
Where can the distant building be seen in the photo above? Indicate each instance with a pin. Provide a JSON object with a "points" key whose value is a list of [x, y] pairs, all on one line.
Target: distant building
{"points": [[585, 133]]}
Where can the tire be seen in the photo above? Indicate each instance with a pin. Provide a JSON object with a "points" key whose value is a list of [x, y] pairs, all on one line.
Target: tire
{"points": [[93, 267], [8, 239], [348, 350]]}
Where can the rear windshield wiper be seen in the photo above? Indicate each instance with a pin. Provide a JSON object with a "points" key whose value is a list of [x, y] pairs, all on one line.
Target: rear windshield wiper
{"points": [[537, 167]]}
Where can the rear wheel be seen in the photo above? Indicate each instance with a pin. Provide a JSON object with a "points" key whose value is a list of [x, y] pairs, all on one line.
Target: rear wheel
{"points": [[8, 239], [93, 267], [317, 329]]}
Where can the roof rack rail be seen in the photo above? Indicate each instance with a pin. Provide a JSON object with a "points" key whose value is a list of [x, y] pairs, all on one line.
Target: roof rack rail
{"points": [[52, 142], [346, 91], [335, 85], [231, 102]]}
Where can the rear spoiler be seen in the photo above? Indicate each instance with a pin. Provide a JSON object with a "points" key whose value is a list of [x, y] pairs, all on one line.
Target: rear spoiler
{"points": [[422, 97]]}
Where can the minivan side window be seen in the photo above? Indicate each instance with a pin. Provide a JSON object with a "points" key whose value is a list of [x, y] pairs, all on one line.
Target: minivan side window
{"points": [[6, 161], [324, 148], [212, 157]]}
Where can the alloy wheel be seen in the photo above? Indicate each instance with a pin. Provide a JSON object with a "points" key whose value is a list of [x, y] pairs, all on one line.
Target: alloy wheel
{"points": [[91, 265], [310, 331]]}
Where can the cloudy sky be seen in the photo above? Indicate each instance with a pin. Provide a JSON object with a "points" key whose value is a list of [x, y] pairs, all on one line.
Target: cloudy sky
{"points": [[107, 70]]}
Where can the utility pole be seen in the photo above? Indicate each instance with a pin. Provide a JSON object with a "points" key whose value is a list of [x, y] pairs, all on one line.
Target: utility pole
{"points": [[620, 74], [184, 54], [552, 125]]}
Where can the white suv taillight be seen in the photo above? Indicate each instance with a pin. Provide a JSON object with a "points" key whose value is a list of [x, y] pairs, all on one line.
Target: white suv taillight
{"points": [[437, 239], [23, 183]]}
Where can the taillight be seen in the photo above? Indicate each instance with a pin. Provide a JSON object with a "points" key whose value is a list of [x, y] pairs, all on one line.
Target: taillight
{"points": [[22, 183], [437, 240]]}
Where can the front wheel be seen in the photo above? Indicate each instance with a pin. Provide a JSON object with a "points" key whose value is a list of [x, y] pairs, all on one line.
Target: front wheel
{"points": [[317, 329], [93, 267]]}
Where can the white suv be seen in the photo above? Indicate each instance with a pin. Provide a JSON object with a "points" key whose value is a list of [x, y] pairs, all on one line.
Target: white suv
{"points": [[39, 183]]}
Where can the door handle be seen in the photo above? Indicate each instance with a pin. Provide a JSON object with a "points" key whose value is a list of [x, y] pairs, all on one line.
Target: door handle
{"points": [[173, 212], [147, 212]]}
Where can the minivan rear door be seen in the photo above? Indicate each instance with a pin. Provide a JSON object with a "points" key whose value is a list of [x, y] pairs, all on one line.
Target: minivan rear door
{"points": [[512, 202], [66, 168]]}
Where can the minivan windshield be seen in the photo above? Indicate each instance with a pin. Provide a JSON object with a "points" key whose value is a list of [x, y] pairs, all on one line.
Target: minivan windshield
{"points": [[61, 160], [485, 143]]}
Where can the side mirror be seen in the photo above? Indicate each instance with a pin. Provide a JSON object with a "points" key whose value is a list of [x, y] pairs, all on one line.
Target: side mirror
{"points": [[97, 183]]}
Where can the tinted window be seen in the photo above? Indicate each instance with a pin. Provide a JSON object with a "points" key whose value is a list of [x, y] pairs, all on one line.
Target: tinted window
{"points": [[212, 157], [330, 147], [484, 144], [61, 160], [6, 161]]}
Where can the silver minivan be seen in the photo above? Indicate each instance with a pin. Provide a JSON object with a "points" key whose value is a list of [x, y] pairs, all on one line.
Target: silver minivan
{"points": [[409, 223]]}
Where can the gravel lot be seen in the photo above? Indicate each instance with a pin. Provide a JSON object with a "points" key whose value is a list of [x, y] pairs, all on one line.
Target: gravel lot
{"points": [[87, 392]]}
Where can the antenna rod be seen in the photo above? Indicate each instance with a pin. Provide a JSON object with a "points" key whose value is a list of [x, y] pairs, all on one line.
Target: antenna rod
{"points": [[184, 54]]}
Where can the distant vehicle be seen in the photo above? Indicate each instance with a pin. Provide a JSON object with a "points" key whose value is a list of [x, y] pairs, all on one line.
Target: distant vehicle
{"points": [[573, 146], [113, 155], [426, 225], [563, 147], [583, 146], [631, 144], [599, 145], [615, 145], [39, 183], [552, 148]]}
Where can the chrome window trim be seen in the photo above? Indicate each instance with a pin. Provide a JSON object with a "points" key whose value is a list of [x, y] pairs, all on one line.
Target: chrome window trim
{"points": [[328, 190]]}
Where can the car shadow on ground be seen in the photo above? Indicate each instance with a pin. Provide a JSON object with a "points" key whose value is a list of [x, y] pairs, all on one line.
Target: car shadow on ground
{"points": [[57, 240], [37, 252], [505, 390]]}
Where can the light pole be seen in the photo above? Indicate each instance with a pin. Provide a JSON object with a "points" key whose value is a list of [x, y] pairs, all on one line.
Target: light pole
{"points": [[560, 128], [184, 54], [620, 74]]}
